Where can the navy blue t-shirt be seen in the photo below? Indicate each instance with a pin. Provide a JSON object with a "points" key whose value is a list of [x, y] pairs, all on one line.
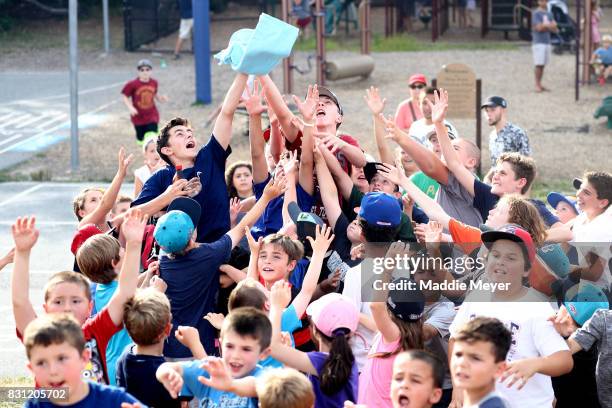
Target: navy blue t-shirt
{"points": [[100, 395], [272, 219], [485, 200], [136, 373], [193, 283], [210, 164], [186, 9]]}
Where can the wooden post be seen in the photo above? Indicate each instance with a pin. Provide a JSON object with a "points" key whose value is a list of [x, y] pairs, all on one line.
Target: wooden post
{"points": [[586, 43], [577, 67], [364, 17], [320, 24]]}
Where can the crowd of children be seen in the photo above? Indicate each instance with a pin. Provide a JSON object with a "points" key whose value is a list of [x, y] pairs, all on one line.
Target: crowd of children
{"points": [[260, 283]]}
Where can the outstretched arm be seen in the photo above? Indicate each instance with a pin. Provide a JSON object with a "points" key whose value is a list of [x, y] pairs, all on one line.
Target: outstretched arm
{"points": [[438, 113], [425, 159], [376, 104], [276, 102], [98, 216], [329, 192], [257, 143], [433, 210], [343, 180], [307, 110], [133, 230], [25, 236], [223, 125]]}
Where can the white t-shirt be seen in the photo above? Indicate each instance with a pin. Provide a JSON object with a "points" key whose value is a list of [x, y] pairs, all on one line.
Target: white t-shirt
{"points": [[142, 173], [352, 290], [587, 235], [532, 336], [419, 131]]}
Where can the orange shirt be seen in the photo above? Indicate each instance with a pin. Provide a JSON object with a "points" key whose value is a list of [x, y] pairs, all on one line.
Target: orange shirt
{"points": [[465, 236]]}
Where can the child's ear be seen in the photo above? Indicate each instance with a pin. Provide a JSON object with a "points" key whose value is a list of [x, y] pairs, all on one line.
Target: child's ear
{"points": [[499, 369], [267, 306], [90, 308], [168, 329], [166, 150], [291, 265], [435, 396], [264, 353]]}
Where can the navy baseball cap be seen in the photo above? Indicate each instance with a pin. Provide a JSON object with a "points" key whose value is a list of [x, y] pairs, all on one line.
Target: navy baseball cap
{"points": [[493, 101], [555, 198], [380, 209], [406, 304], [515, 233], [370, 170], [189, 206], [577, 183], [305, 222]]}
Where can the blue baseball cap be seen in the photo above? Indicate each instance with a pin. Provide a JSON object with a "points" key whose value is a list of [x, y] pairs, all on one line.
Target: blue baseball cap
{"points": [[380, 209], [583, 299], [555, 198], [554, 259], [173, 231]]}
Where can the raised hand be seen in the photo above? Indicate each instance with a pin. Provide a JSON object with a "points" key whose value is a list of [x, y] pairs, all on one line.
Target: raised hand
{"points": [[188, 336], [254, 246], [253, 103], [308, 107], [124, 162], [392, 131], [433, 232], [8, 258], [291, 163], [374, 101], [331, 283], [408, 205], [134, 225], [275, 187], [358, 252], [25, 233], [215, 319], [563, 322], [391, 173], [334, 143], [280, 294], [323, 238], [234, 205], [220, 377], [158, 284], [439, 107]]}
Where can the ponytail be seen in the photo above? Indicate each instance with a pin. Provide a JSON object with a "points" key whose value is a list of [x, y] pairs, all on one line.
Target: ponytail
{"points": [[338, 367]]}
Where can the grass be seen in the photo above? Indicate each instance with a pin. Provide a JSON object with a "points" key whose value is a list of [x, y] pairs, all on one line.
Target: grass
{"points": [[540, 189], [399, 43]]}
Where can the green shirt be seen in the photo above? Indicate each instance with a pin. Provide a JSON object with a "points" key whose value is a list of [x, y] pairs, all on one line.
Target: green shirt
{"points": [[405, 233], [425, 183]]}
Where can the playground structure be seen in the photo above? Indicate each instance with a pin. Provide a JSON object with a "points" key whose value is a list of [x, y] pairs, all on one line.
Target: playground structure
{"points": [[336, 67]]}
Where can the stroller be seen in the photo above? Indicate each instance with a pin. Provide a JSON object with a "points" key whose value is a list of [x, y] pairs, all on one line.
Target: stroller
{"points": [[565, 39]]}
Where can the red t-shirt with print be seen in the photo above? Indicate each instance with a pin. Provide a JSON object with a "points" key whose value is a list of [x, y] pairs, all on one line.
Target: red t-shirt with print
{"points": [[143, 99], [97, 331]]}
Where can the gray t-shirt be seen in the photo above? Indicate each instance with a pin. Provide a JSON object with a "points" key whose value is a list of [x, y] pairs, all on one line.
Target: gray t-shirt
{"points": [[598, 331], [440, 315], [538, 17], [457, 202]]}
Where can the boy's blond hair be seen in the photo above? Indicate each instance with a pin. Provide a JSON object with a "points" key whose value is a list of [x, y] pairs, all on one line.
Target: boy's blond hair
{"points": [[285, 388], [67, 277], [96, 257], [55, 328], [146, 316], [294, 249], [79, 201]]}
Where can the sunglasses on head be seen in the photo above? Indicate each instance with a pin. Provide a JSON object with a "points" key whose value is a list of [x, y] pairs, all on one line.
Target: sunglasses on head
{"points": [[417, 86]]}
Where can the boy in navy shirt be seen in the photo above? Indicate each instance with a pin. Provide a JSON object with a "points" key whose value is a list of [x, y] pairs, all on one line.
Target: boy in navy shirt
{"points": [[204, 168], [56, 351], [148, 321], [191, 270]]}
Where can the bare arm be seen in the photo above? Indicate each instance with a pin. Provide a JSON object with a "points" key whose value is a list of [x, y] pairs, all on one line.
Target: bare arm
{"points": [[354, 155], [98, 216], [25, 236], [128, 103], [257, 143], [133, 230], [463, 175], [376, 105], [329, 192], [307, 109], [137, 186], [276, 102], [343, 180], [223, 124], [425, 159]]}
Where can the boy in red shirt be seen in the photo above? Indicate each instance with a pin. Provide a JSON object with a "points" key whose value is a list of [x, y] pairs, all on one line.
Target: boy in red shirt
{"points": [[139, 95]]}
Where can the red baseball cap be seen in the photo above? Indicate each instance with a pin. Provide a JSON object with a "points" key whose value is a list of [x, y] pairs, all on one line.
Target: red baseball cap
{"points": [[417, 78], [86, 231], [512, 232]]}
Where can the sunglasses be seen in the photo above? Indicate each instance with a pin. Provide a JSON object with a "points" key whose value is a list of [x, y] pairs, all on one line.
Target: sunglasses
{"points": [[144, 69], [420, 86]]}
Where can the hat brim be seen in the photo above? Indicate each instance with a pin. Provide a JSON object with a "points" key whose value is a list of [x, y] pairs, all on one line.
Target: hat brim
{"points": [[555, 198], [189, 206], [370, 170], [488, 105]]}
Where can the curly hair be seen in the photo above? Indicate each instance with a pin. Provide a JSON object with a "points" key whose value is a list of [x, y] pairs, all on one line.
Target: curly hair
{"points": [[229, 177]]}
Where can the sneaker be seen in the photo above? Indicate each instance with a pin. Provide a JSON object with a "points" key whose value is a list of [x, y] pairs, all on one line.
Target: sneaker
{"points": [[177, 56]]}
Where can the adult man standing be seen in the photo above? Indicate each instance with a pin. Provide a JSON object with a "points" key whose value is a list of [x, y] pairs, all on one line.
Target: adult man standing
{"points": [[505, 137], [543, 24]]}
